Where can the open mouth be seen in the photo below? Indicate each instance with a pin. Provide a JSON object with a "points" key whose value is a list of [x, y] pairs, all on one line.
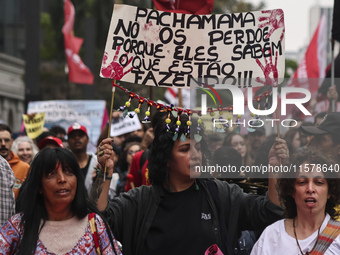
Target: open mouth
{"points": [[63, 191], [310, 201]]}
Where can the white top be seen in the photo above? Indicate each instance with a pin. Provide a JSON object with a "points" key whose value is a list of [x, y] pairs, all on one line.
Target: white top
{"points": [[275, 240], [113, 185], [88, 177]]}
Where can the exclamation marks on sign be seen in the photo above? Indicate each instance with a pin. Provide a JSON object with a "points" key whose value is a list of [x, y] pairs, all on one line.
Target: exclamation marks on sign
{"points": [[246, 80]]}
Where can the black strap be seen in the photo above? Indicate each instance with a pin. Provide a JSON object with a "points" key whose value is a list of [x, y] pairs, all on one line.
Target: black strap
{"points": [[142, 161], [225, 240], [85, 169]]}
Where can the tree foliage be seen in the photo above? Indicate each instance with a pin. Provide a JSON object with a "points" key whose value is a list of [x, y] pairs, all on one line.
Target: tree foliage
{"points": [[290, 67], [48, 49]]}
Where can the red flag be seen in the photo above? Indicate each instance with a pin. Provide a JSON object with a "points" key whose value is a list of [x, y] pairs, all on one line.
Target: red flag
{"points": [[311, 70], [185, 6], [78, 71], [313, 64]]}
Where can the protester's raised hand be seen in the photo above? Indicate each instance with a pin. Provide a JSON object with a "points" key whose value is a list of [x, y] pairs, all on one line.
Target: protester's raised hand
{"points": [[332, 93], [116, 115], [278, 153], [105, 155]]}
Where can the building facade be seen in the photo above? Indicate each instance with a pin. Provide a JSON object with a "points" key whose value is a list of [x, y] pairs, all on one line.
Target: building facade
{"points": [[12, 64], [12, 91]]}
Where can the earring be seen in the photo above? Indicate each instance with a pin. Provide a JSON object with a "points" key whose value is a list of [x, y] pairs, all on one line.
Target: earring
{"points": [[196, 186]]}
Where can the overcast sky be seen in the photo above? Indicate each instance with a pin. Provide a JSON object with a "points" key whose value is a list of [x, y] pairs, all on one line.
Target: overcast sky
{"points": [[296, 19]]}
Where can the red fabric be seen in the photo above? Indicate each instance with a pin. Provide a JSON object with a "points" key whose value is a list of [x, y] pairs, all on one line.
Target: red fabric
{"points": [[78, 71], [309, 71], [138, 180], [94, 234], [172, 92], [308, 68], [198, 7]]}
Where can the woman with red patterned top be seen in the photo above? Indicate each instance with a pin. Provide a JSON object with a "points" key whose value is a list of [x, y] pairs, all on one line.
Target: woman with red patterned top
{"points": [[55, 215]]}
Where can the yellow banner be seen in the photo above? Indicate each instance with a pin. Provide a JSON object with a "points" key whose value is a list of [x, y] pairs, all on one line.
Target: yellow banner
{"points": [[34, 124]]}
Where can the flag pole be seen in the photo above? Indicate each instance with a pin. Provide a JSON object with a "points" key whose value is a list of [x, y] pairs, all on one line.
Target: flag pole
{"points": [[179, 94], [332, 75], [110, 121], [278, 128]]}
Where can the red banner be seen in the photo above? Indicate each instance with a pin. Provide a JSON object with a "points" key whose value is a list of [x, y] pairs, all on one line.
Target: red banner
{"points": [[311, 69], [78, 71], [198, 7]]}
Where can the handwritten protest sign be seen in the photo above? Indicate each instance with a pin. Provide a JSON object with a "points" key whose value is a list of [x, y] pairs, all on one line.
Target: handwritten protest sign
{"points": [[125, 125], [64, 113], [34, 124], [158, 48]]}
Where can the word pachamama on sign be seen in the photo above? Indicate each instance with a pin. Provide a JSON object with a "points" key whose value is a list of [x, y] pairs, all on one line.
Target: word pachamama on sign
{"points": [[158, 48]]}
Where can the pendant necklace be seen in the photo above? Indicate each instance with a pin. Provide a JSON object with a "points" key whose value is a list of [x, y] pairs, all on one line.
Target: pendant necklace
{"points": [[297, 242]]}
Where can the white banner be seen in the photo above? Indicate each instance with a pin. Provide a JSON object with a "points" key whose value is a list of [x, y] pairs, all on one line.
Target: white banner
{"points": [[125, 125], [64, 113], [158, 48]]}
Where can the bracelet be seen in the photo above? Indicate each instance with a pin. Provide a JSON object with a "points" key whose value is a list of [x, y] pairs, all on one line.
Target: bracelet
{"points": [[100, 174]]}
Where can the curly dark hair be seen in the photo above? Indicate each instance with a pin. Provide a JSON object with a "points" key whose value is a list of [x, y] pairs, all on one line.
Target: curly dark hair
{"points": [[286, 186], [163, 142]]}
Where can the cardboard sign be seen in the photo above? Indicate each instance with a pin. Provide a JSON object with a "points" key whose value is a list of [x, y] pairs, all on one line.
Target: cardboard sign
{"points": [[64, 113], [34, 124], [158, 48], [125, 125]]}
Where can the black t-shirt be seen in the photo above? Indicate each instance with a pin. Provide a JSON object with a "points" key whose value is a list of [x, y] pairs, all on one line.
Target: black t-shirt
{"points": [[182, 224], [85, 169]]}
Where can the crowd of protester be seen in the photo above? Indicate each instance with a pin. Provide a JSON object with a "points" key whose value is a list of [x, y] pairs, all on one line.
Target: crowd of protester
{"points": [[149, 177]]}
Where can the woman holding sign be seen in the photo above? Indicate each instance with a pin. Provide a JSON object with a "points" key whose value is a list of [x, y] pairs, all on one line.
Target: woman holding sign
{"points": [[181, 213]]}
